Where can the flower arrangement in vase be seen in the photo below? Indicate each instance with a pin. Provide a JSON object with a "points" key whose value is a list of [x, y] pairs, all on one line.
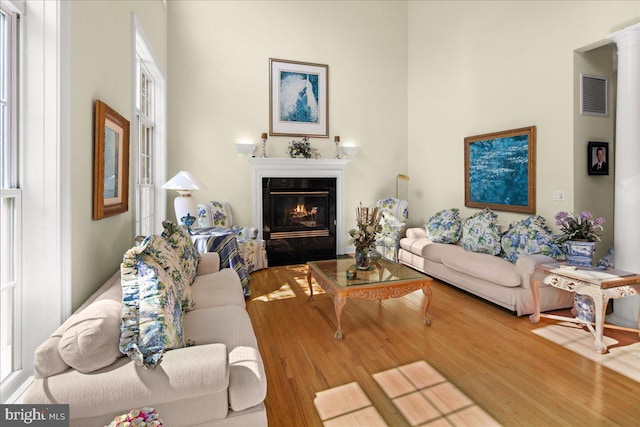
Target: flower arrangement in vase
{"points": [[579, 234], [302, 148], [363, 236]]}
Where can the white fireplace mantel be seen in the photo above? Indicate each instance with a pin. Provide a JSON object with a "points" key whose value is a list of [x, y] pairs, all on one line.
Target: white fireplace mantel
{"points": [[300, 168]]}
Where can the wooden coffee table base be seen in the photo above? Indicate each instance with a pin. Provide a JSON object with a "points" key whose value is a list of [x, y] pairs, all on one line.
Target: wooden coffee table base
{"points": [[370, 292]]}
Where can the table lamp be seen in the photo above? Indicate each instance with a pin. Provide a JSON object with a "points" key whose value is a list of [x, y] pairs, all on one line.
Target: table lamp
{"points": [[402, 177], [184, 182]]}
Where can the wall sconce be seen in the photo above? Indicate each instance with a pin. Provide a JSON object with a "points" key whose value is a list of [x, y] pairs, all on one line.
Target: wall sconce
{"points": [[400, 177], [350, 151], [246, 148], [184, 182]]}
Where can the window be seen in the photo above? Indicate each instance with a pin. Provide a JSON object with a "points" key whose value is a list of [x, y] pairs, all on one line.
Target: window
{"points": [[145, 189], [148, 137], [34, 130], [10, 200]]}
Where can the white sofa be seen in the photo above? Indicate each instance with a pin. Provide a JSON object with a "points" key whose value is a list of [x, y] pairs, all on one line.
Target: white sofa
{"points": [[487, 276], [220, 381]]}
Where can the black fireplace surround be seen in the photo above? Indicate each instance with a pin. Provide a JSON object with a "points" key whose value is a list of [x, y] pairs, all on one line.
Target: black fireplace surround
{"points": [[299, 219]]}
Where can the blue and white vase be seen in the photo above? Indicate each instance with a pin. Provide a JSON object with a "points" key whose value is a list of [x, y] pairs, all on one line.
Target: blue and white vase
{"points": [[362, 259], [585, 308], [580, 253]]}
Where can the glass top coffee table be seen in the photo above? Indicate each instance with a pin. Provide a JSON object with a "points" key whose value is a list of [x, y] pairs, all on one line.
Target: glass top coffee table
{"points": [[386, 280]]}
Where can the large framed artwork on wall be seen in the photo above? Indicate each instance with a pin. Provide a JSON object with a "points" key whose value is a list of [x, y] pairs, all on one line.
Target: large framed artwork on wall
{"points": [[110, 162], [500, 170], [298, 98]]}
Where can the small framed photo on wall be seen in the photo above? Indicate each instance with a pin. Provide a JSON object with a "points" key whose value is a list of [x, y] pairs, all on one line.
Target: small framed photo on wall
{"points": [[598, 158]]}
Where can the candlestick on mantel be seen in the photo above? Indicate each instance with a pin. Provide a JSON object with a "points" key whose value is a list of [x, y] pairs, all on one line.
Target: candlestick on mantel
{"points": [[264, 145], [336, 140]]}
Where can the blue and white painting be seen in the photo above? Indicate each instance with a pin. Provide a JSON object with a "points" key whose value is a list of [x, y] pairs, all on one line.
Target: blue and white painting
{"points": [[499, 171], [298, 97]]}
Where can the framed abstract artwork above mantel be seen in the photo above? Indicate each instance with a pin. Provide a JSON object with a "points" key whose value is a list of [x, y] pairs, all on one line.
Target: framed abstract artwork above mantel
{"points": [[298, 98], [500, 170]]}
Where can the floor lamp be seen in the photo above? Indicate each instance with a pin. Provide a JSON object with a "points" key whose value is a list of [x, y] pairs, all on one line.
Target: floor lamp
{"points": [[184, 182], [400, 177]]}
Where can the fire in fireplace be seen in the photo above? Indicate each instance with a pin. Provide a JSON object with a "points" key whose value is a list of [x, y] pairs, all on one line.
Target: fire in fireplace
{"points": [[299, 219]]}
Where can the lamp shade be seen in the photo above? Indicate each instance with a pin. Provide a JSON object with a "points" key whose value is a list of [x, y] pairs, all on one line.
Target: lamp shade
{"points": [[184, 181]]}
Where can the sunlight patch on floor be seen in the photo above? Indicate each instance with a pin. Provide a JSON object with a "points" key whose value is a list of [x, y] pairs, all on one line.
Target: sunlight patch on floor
{"points": [[346, 405], [623, 359], [304, 287], [422, 395], [284, 292]]}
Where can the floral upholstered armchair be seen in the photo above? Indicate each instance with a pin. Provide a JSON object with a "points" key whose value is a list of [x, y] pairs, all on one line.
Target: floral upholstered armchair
{"points": [[394, 218], [218, 215]]}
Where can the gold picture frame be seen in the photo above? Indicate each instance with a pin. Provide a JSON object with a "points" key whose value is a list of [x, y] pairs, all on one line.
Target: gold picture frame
{"points": [[500, 170], [110, 162]]}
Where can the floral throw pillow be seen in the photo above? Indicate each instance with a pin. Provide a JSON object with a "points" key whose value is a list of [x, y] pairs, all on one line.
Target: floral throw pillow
{"points": [[445, 226], [169, 259], [151, 310], [180, 240], [529, 236], [480, 233]]}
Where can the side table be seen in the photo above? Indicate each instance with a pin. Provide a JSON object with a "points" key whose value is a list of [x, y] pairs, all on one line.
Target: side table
{"points": [[601, 285]]}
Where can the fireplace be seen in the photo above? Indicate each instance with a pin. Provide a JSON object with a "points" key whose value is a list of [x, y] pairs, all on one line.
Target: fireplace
{"points": [[299, 219], [307, 234]]}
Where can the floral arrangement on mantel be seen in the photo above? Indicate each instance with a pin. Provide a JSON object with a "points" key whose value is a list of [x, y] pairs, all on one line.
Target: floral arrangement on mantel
{"points": [[368, 225], [302, 148], [578, 227]]}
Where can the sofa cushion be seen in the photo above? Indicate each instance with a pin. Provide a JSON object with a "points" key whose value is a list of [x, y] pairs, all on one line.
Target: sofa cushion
{"points": [[215, 214], [480, 233], [216, 289], [427, 249], [485, 267], [46, 359], [527, 237], [168, 258], [231, 325], [445, 226], [151, 312], [91, 341], [416, 233]]}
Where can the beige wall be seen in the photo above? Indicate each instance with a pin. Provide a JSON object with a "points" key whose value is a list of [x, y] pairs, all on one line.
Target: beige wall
{"points": [[480, 67], [101, 69], [595, 193], [219, 90]]}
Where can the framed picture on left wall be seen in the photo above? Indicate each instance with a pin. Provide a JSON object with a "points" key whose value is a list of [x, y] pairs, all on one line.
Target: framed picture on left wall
{"points": [[110, 162], [298, 98]]}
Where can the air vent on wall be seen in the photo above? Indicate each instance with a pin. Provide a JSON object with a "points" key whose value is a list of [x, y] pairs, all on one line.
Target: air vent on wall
{"points": [[593, 95]]}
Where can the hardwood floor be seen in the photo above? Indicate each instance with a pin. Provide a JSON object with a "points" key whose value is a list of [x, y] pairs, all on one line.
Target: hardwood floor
{"points": [[487, 354]]}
